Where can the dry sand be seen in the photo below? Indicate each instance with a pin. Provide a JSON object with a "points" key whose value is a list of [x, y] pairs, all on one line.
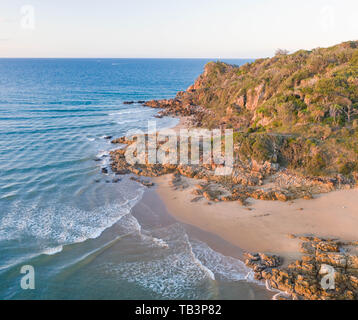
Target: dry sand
{"points": [[264, 226]]}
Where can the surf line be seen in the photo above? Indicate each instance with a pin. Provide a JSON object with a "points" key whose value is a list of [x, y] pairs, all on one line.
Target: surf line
{"points": [[158, 311], [279, 294]]}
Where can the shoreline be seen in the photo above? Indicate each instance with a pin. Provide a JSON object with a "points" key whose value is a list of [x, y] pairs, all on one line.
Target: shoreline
{"points": [[161, 216], [323, 220], [266, 226]]}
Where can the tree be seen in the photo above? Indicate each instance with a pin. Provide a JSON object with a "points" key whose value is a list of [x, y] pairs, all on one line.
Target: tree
{"points": [[350, 111], [334, 111], [281, 52]]}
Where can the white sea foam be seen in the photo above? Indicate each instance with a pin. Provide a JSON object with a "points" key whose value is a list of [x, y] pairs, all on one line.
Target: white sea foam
{"points": [[16, 261], [199, 263], [127, 121], [168, 270], [279, 292], [179, 266], [53, 251], [61, 224], [161, 243], [103, 153], [223, 267], [104, 156], [128, 111]]}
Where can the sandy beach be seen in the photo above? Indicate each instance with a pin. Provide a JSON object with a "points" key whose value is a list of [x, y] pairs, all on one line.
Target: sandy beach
{"points": [[265, 226]]}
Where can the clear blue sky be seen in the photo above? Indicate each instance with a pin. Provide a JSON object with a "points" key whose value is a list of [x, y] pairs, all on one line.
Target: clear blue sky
{"points": [[168, 28]]}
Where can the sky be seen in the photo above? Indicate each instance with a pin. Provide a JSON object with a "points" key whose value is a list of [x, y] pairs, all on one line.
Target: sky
{"points": [[172, 29]]}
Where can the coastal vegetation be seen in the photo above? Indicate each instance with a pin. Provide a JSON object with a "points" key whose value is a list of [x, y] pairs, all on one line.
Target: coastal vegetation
{"points": [[300, 109]]}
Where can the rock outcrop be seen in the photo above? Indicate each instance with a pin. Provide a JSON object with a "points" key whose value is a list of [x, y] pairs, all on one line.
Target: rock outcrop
{"points": [[261, 181], [179, 107], [327, 271]]}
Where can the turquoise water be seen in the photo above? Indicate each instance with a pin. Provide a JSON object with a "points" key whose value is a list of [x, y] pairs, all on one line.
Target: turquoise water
{"points": [[61, 215]]}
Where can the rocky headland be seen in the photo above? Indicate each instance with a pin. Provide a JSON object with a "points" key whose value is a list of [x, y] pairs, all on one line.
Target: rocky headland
{"points": [[295, 123]]}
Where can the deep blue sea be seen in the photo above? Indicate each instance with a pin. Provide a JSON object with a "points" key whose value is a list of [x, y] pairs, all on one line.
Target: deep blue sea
{"points": [[60, 214]]}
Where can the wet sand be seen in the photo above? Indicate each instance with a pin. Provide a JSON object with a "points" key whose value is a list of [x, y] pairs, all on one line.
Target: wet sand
{"points": [[151, 210]]}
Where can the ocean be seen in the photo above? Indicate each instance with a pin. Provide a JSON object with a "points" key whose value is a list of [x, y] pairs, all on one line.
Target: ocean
{"points": [[75, 225]]}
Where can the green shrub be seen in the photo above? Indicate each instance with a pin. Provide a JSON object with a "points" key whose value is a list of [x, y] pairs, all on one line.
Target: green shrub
{"points": [[315, 165]]}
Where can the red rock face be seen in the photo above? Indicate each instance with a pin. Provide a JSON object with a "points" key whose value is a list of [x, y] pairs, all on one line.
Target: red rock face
{"points": [[255, 97]]}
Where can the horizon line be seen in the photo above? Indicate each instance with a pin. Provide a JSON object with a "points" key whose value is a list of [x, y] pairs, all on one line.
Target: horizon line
{"points": [[149, 58]]}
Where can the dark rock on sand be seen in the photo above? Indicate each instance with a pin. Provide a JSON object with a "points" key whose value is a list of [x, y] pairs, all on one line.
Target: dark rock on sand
{"points": [[145, 183]]}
